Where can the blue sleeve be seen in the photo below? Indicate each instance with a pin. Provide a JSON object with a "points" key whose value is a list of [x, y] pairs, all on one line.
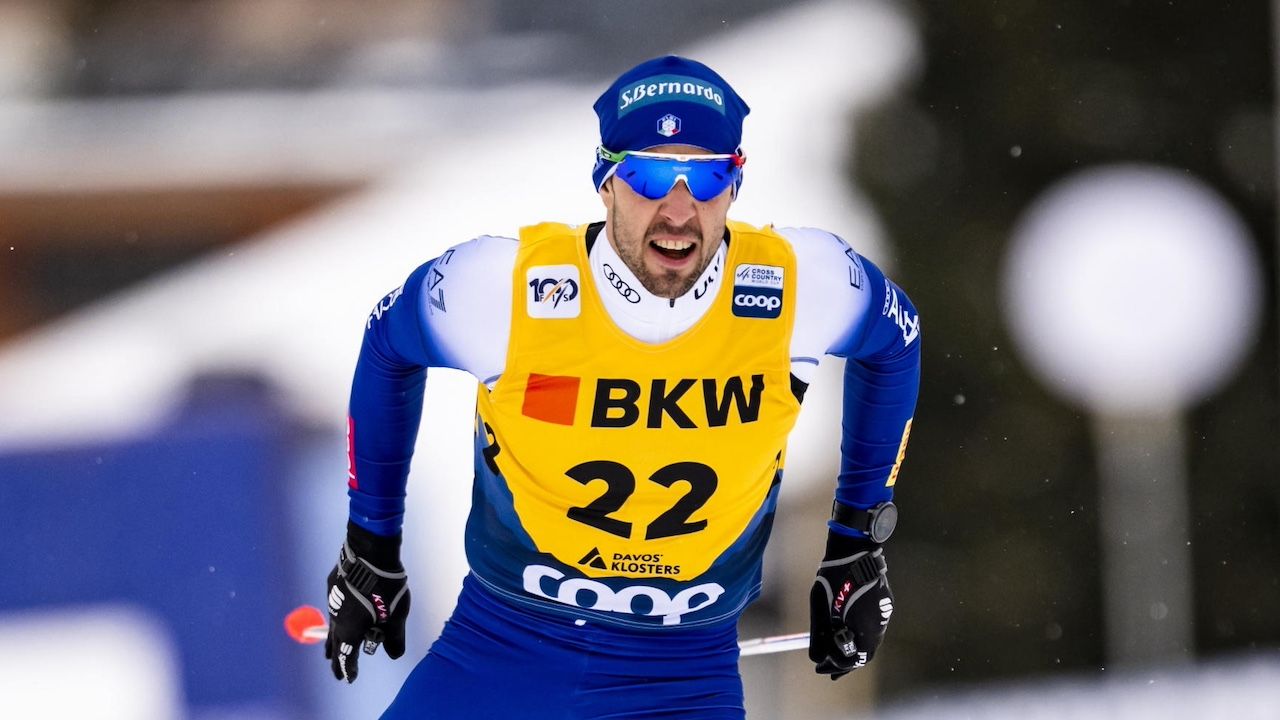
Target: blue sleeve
{"points": [[881, 384], [386, 404]]}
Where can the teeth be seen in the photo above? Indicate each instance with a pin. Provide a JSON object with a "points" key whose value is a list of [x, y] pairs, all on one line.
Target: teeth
{"points": [[673, 244]]}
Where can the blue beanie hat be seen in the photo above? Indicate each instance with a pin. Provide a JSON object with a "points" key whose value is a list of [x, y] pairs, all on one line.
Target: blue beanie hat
{"points": [[668, 101]]}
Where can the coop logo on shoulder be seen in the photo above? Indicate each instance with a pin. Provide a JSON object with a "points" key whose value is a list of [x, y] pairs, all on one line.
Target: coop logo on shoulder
{"points": [[553, 291], [757, 291]]}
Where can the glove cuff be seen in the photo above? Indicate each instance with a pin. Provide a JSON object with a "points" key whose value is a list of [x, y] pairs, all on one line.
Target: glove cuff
{"points": [[840, 545], [380, 551]]}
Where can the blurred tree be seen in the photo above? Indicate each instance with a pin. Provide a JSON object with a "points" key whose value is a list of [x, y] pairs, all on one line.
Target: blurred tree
{"points": [[997, 564]]}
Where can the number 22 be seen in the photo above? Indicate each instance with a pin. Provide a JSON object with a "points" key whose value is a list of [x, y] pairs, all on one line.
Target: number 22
{"points": [[621, 483]]}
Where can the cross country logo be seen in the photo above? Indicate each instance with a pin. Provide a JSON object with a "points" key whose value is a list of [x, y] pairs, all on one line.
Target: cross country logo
{"points": [[757, 291]]}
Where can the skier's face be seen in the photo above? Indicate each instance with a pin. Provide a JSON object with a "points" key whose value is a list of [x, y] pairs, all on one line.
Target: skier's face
{"points": [[666, 242]]}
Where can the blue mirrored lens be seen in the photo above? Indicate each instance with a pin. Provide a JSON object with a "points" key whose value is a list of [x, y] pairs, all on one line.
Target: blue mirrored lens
{"points": [[654, 177]]}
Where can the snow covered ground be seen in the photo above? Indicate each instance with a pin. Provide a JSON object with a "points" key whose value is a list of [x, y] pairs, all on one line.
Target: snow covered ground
{"points": [[1243, 688]]}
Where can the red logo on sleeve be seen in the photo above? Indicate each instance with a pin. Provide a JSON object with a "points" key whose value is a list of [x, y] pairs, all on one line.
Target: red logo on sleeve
{"points": [[351, 454]]}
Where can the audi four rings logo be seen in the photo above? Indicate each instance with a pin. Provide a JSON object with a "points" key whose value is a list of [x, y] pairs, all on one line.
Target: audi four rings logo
{"points": [[761, 301], [625, 290]]}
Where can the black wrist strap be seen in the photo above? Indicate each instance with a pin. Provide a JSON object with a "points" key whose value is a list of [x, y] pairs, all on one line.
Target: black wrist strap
{"points": [[852, 518], [868, 568], [358, 574]]}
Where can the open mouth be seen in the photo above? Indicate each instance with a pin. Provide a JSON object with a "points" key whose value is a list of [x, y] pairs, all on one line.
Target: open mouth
{"points": [[672, 248]]}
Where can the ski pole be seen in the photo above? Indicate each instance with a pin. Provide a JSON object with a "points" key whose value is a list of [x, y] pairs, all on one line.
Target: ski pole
{"points": [[306, 625]]}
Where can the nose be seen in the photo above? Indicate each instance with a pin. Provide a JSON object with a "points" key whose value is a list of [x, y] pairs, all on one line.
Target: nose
{"points": [[678, 207]]}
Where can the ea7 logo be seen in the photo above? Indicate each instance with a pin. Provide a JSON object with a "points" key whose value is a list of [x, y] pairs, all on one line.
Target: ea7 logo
{"points": [[593, 595], [553, 291]]}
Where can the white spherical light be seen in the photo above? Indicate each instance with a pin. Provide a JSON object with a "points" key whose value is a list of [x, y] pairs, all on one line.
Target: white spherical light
{"points": [[1132, 289]]}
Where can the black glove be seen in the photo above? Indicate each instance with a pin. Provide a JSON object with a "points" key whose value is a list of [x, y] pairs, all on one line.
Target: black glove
{"points": [[849, 605], [368, 601]]}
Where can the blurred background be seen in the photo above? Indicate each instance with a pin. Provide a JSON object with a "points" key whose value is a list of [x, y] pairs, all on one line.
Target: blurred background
{"points": [[200, 202]]}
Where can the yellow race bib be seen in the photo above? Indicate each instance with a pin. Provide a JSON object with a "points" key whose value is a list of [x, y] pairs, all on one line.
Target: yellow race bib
{"points": [[642, 470]]}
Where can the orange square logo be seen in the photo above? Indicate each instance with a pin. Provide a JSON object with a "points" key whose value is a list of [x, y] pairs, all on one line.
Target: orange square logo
{"points": [[551, 398]]}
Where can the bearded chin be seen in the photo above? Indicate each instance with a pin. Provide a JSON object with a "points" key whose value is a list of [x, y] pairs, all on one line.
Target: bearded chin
{"points": [[666, 282]]}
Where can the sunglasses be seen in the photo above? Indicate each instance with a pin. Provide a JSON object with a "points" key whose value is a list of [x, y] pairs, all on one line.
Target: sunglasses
{"points": [[653, 175]]}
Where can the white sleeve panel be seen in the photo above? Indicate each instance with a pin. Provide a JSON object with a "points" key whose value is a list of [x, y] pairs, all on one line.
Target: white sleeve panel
{"points": [[831, 296], [467, 298]]}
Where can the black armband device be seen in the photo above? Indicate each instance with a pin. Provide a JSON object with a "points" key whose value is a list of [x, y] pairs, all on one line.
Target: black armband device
{"points": [[876, 522]]}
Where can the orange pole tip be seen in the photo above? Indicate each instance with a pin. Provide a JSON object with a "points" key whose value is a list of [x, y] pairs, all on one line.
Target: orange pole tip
{"points": [[303, 618]]}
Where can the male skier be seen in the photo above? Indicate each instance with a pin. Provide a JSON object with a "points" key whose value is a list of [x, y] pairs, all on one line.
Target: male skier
{"points": [[638, 379]]}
